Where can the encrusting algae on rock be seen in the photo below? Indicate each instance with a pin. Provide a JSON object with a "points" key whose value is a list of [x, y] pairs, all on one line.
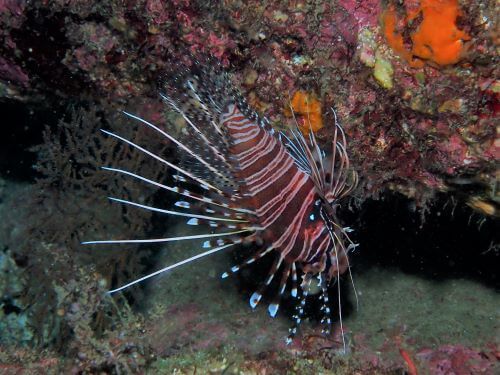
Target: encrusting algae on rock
{"points": [[434, 34]]}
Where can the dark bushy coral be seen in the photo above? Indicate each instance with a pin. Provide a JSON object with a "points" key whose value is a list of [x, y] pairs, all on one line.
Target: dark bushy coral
{"points": [[67, 205]]}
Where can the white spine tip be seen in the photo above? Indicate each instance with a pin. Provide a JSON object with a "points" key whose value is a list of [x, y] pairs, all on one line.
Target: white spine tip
{"points": [[206, 245], [182, 204], [273, 309], [254, 299], [193, 221], [224, 275]]}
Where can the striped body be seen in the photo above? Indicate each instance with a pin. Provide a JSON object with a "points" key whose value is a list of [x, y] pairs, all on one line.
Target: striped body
{"points": [[281, 194]]}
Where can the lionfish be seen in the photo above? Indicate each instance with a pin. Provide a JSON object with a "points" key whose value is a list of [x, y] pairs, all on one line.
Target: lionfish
{"points": [[278, 190]]}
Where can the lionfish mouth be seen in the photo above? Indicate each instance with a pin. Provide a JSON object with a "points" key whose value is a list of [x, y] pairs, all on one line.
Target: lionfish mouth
{"points": [[279, 190]]}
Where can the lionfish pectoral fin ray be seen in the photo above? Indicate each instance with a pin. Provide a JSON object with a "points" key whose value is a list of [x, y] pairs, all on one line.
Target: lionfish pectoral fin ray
{"points": [[274, 305], [167, 163], [168, 239], [206, 109], [272, 309], [180, 191], [255, 299], [260, 291], [246, 262], [175, 213], [204, 138], [299, 309], [181, 145], [173, 266]]}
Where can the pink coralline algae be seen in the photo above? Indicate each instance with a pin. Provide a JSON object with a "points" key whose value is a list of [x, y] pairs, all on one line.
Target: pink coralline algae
{"points": [[458, 359], [365, 12], [216, 45], [11, 72], [12, 7], [157, 11]]}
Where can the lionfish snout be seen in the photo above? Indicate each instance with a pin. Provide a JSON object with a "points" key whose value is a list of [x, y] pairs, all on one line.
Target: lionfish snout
{"points": [[247, 183]]}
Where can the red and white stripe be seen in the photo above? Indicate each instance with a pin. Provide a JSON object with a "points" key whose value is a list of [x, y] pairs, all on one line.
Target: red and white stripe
{"points": [[281, 195]]}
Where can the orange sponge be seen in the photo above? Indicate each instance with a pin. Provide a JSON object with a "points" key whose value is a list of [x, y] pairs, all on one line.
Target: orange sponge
{"points": [[437, 37], [308, 108]]}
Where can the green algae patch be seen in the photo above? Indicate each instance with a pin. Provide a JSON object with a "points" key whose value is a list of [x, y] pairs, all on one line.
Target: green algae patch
{"points": [[383, 71], [367, 47]]}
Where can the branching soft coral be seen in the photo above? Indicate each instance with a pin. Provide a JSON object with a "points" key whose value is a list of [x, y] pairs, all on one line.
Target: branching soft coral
{"points": [[68, 204]]}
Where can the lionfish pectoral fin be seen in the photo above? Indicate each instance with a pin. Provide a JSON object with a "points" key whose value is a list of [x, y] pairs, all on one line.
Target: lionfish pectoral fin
{"points": [[182, 146], [257, 295], [325, 308], [247, 261], [299, 312], [274, 305], [173, 266], [199, 181]]}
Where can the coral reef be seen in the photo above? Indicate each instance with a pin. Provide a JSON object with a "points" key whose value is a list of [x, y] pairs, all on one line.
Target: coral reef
{"points": [[419, 105], [440, 122]]}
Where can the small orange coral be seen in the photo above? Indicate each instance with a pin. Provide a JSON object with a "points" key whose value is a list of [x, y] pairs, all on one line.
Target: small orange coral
{"points": [[307, 108], [436, 38]]}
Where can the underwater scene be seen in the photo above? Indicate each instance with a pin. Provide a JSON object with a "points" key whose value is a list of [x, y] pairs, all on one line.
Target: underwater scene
{"points": [[249, 187]]}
